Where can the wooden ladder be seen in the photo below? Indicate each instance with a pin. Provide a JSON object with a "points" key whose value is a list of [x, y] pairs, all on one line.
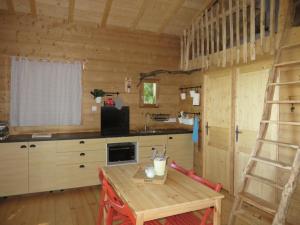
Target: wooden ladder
{"points": [[275, 214]]}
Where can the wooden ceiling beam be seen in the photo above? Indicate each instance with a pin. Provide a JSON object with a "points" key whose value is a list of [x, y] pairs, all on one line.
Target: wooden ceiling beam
{"points": [[10, 6], [106, 12], [71, 11], [170, 14], [33, 7], [140, 14]]}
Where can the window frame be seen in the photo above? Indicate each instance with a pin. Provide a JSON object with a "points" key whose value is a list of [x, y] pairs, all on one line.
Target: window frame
{"points": [[142, 104]]}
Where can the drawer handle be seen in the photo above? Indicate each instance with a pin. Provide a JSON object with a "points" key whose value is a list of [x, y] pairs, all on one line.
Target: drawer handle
{"points": [[170, 137], [81, 166], [153, 148], [32, 146], [23, 146], [81, 142], [82, 154]]}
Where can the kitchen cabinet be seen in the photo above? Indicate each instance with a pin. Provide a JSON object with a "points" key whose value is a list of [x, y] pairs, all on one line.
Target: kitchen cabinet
{"points": [[148, 144], [77, 162], [42, 160], [13, 168], [180, 148]]}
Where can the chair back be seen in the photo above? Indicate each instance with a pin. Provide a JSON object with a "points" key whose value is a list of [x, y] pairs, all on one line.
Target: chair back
{"points": [[216, 187], [180, 169], [116, 204]]}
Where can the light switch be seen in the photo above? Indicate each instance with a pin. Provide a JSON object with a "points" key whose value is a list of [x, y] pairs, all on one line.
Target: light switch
{"points": [[94, 108]]}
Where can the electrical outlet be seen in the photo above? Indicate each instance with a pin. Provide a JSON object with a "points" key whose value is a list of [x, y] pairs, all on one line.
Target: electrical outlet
{"points": [[94, 108]]}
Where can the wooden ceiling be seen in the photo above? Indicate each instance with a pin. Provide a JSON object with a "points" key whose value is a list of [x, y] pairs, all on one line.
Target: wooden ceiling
{"points": [[159, 16]]}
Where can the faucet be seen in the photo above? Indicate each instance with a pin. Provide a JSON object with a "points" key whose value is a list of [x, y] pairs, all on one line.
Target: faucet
{"points": [[147, 116]]}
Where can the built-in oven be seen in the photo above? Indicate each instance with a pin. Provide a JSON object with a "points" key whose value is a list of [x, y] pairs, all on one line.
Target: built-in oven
{"points": [[121, 153]]}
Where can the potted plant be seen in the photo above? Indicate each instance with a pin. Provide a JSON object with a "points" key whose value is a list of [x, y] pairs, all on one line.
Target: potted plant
{"points": [[98, 94]]}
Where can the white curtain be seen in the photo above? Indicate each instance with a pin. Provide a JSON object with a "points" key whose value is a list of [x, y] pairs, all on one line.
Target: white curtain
{"points": [[45, 93]]}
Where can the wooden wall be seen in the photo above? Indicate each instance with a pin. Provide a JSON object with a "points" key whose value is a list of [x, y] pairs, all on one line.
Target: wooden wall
{"points": [[108, 55]]}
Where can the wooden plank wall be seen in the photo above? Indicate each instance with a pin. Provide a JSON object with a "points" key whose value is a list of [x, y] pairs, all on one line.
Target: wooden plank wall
{"points": [[108, 55]]}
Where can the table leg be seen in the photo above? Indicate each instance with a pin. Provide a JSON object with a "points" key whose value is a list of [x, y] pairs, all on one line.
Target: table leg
{"points": [[139, 219], [217, 212]]}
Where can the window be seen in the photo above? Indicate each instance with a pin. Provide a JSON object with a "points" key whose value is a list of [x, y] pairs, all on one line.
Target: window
{"points": [[149, 93], [45, 93]]}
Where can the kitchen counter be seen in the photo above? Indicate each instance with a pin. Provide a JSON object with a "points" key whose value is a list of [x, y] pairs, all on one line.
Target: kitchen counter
{"points": [[92, 135]]}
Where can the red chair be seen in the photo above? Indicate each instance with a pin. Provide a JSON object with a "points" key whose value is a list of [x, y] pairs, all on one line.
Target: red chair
{"points": [[180, 169], [117, 210], [190, 218]]}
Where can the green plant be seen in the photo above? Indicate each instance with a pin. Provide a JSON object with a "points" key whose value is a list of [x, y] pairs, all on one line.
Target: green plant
{"points": [[98, 93]]}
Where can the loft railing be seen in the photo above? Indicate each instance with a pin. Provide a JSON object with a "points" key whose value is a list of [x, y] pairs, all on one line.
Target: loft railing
{"points": [[231, 32]]}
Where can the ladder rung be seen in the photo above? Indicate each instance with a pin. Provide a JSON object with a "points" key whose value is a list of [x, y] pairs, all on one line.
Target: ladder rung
{"points": [[258, 202], [290, 63], [284, 102], [252, 218], [284, 83], [290, 46], [264, 181], [282, 122], [282, 144], [272, 163]]}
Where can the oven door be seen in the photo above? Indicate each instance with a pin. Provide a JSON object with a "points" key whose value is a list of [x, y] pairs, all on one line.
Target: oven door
{"points": [[121, 153]]}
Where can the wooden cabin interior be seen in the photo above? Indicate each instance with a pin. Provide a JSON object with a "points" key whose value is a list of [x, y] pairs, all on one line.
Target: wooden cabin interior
{"points": [[100, 95]]}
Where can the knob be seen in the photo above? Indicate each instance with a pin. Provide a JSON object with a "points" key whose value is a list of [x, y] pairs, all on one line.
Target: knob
{"points": [[153, 148], [81, 142], [170, 137], [81, 166], [23, 146], [32, 146], [82, 154]]}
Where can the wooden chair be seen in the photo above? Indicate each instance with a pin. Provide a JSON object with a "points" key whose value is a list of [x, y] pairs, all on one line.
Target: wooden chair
{"points": [[116, 209], [180, 169], [190, 218]]}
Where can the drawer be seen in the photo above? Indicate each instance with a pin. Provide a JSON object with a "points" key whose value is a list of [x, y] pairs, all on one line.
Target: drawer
{"points": [[77, 175], [81, 157], [121, 139], [152, 140], [80, 145], [148, 151], [12, 150], [179, 138]]}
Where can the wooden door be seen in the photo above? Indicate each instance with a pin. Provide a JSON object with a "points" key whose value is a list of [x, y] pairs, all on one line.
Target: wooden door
{"points": [[217, 128], [250, 91]]}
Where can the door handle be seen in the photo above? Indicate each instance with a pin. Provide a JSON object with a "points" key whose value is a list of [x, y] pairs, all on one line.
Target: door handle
{"points": [[81, 142], [206, 128], [81, 166], [23, 146], [32, 146], [237, 132], [82, 154]]}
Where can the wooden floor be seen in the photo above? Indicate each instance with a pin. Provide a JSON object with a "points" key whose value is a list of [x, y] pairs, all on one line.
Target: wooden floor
{"points": [[70, 207]]}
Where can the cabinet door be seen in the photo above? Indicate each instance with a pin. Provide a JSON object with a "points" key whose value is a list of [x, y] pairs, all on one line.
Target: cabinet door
{"points": [[180, 148], [42, 163], [13, 168], [217, 132], [250, 91]]}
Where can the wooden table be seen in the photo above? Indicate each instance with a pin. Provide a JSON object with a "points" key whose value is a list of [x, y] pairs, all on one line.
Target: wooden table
{"points": [[179, 194]]}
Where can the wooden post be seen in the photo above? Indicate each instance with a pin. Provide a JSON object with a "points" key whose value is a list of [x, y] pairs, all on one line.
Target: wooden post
{"points": [[193, 44], [245, 39], [262, 24], [237, 6], [202, 42], [181, 51], [184, 50], [207, 38], [224, 34], [272, 26], [231, 31], [212, 35], [252, 30], [218, 34]]}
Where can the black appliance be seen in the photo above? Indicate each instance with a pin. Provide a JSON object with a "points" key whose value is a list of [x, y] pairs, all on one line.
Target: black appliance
{"points": [[120, 153], [114, 121]]}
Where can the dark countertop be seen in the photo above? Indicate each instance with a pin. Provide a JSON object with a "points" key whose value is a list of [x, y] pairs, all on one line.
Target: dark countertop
{"points": [[91, 135]]}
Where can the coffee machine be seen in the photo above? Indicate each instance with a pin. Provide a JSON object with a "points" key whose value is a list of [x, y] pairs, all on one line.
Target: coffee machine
{"points": [[4, 131]]}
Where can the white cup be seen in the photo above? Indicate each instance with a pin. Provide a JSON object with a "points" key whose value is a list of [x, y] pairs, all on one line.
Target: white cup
{"points": [[183, 96], [150, 173], [192, 93], [159, 166]]}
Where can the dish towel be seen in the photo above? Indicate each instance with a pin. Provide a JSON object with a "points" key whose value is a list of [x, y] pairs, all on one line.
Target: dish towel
{"points": [[195, 130]]}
